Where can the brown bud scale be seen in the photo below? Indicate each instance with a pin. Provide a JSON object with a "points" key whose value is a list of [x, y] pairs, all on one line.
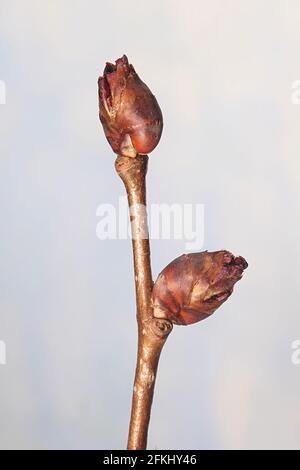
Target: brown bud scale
{"points": [[193, 286], [129, 113]]}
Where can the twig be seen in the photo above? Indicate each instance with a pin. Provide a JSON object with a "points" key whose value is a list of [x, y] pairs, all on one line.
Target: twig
{"points": [[152, 332]]}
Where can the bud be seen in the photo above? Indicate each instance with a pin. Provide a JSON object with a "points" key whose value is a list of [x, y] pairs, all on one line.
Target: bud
{"points": [[129, 113], [193, 286]]}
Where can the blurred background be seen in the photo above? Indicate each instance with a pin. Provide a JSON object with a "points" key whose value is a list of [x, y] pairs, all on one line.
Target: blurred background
{"points": [[223, 72]]}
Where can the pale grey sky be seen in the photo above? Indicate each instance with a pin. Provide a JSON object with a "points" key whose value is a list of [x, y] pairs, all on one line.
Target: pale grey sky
{"points": [[223, 73]]}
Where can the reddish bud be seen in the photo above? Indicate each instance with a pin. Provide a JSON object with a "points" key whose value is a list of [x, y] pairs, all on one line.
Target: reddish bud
{"points": [[193, 286], [129, 113]]}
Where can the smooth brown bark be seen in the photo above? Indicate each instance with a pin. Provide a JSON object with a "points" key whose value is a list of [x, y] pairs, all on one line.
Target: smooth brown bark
{"points": [[152, 332]]}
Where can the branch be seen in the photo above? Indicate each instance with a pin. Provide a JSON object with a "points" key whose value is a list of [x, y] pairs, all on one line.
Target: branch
{"points": [[152, 332]]}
